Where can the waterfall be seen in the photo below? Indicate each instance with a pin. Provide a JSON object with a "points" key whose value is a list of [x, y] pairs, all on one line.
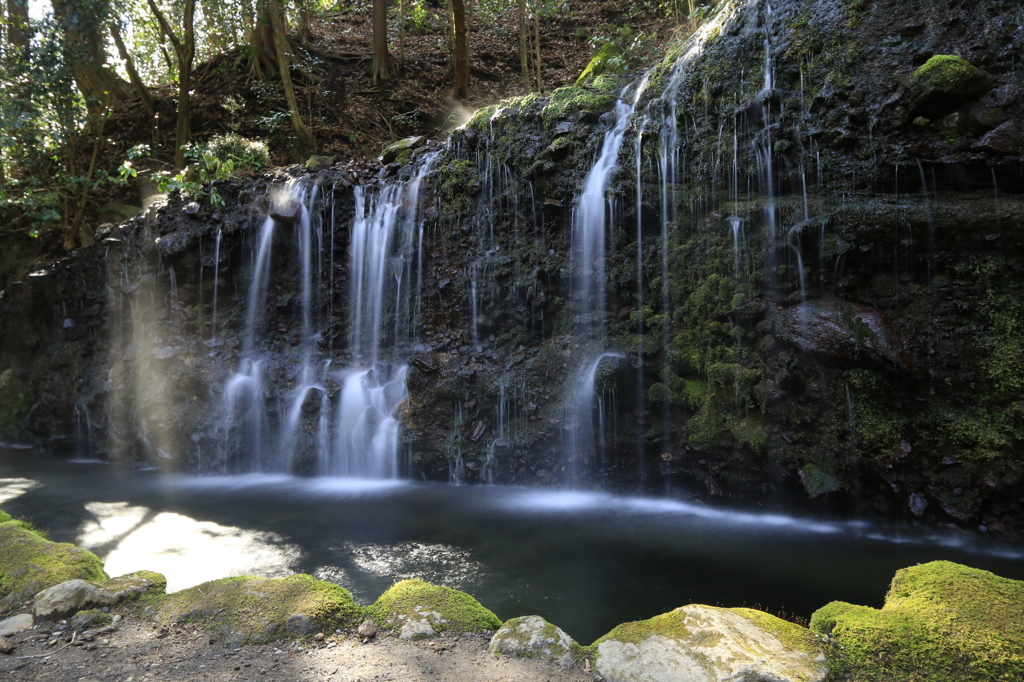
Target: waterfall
{"points": [[582, 436], [591, 217], [357, 433]]}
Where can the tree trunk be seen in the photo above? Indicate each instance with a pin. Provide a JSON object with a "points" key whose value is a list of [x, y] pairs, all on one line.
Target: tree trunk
{"points": [[524, 55], [381, 68], [281, 46], [401, 33], [83, 30], [185, 49], [536, 38], [461, 49], [133, 74]]}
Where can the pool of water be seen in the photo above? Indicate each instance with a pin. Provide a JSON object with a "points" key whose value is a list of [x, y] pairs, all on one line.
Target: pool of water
{"points": [[586, 561]]}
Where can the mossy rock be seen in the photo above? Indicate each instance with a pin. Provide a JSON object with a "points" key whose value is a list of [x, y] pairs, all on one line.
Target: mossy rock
{"points": [[159, 581], [30, 563], [941, 621], [580, 102], [699, 643], [401, 151], [534, 637], [944, 83], [418, 609], [83, 620], [256, 610]]}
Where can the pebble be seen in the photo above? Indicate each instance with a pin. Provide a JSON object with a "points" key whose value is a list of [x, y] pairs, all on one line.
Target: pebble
{"points": [[5, 646]]}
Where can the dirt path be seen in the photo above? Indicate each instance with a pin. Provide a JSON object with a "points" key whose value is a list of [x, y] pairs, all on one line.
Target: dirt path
{"points": [[137, 651]]}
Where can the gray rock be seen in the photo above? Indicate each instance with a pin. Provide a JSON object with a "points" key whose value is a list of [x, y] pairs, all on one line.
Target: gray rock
{"points": [[533, 637], [319, 163], [705, 644], [15, 624], [849, 332], [5, 646], [287, 211], [74, 595], [416, 629], [300, 625], [367, 629]]}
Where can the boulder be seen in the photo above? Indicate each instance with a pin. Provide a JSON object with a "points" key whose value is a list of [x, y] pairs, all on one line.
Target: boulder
{"points": [[15, 624], [534, 637], [74, 595], [707, 644], [852, 333], [287, 210], [318, 163], [401, 151], [417, 609], [1006, 139], [30, 563], [943, 84], [256, 610], [941, 621]]}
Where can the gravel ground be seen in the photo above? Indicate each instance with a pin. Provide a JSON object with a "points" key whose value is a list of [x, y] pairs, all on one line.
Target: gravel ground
{"points": [[139, 651]]}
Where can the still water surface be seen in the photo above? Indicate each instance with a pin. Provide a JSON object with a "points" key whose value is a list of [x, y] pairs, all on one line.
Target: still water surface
{"points": [[586, 561]]}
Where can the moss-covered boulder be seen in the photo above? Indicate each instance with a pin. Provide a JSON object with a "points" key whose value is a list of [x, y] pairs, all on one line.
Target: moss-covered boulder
{"points": [[941, 621], [944, 83], [73, 595], [30, 563], [254, 610], [418, 609], [401, 151], [707, 644], [534, 637]]}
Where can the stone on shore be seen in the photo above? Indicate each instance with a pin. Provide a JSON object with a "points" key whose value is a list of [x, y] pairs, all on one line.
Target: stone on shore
{"points": [[707, 644], [30, 563], [941, 621], [534, 637], [74, 595], [15, 624], [256, 610], [417, 609]]}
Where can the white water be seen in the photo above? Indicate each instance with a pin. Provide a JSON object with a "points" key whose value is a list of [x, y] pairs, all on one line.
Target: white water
{"points": [[357, 432]]}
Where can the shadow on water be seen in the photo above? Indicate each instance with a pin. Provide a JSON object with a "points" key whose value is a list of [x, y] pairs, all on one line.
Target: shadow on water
{"points": [[585, 560]]}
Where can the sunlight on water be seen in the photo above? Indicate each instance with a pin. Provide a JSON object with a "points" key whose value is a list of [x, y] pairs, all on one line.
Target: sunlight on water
{"points": [[187, 551], [11, 488]]}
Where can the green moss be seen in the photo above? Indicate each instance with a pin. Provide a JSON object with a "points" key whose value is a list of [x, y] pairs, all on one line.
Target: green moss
{"points": [[410, 599], [671, 625], [945, 70], [608, 59], [159, 581], [455, 181], [574, 101], [88, 618], [790, 634], [817, 482], [481, 117], [30, 563], [247, 609], [941, 621]]}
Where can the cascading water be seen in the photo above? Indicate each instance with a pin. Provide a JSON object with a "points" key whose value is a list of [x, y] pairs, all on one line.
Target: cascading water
{"points": [[359, 435]]}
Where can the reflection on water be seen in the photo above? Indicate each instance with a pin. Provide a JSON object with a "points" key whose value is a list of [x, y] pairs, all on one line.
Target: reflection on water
{"points": [[11, 488], [584, 560], [187, 551]]}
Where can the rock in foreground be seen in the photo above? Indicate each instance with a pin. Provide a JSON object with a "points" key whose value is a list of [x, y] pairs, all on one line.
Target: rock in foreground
{"points": [[256, 610], [706, 644], [73, 595], [418, 609], [30, 563], [941, 621], [534, 637]]}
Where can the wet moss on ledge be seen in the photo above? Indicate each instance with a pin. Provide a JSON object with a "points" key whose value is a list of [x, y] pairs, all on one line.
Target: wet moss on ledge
{"points": [[254, 610], [941, 621]]}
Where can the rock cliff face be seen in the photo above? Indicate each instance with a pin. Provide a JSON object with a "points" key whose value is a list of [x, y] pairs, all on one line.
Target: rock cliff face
{"points": [[811, 285]]}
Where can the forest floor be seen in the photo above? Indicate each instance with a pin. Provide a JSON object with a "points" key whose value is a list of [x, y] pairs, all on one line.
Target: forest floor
{"points": [[140, 651]]}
